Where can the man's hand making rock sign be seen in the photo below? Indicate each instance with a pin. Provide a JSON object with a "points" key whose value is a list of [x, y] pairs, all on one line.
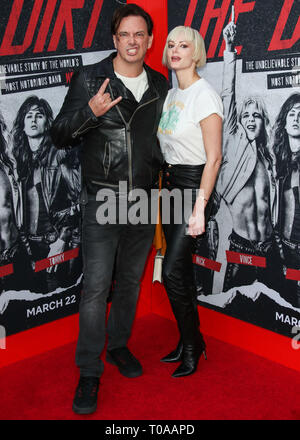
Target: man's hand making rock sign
{"points": [[101, 102]]}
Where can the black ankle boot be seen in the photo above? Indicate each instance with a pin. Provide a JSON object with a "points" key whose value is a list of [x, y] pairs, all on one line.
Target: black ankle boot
{"points": [[190, 357], [175, 355]]}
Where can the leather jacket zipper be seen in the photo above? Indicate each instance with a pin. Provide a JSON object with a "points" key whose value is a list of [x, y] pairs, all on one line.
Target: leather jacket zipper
{"points": [[129, 140], [128, 136], [104, 183], [106, 159], [143, 105], [80, 131]]}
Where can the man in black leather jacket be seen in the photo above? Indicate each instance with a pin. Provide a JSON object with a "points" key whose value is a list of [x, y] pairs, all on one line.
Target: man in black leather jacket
{"points": [[113, 109], [49, 184]]}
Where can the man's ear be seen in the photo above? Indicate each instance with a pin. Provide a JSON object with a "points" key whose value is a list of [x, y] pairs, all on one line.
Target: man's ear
{"points": [[114, 40], [150, 41]]}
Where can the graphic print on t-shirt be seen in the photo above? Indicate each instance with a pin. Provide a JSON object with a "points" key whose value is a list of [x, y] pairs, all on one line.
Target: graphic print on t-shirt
{"points": [[170, 118]]}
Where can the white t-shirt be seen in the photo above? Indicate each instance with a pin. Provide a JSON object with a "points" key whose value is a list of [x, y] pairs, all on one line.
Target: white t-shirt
{"points": [[179, 130], [137, 85]]}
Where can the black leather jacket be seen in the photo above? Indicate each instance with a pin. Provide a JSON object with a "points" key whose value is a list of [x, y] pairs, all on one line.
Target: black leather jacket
{"points": [[121, 145], [60, 184]]}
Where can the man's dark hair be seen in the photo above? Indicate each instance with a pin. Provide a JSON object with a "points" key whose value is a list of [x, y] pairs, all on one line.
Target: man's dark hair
{"points": [[4, 158], [21, 150], [126, 11], [281, 147]]}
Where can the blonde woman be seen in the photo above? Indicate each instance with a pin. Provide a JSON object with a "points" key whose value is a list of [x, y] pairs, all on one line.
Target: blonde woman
{"points": [[190, 134]]}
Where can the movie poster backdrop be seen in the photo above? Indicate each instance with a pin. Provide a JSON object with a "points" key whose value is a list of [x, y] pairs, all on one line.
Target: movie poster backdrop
{"points": [[248, 263], [41, 44]]}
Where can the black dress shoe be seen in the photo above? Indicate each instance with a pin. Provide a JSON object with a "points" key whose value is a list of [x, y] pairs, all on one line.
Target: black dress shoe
{"points": [[127, 364], [85, 400], [175, 355]]}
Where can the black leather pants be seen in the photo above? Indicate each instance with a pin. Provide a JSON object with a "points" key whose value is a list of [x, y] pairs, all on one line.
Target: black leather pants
{"points": [[178, 273]]}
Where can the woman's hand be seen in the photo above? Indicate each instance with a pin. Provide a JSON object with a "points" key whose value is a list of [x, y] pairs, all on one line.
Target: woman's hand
{"points": [[197, 219]]}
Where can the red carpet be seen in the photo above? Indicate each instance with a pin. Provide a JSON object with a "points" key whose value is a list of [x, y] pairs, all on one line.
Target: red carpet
{"points": [[232, 384]]}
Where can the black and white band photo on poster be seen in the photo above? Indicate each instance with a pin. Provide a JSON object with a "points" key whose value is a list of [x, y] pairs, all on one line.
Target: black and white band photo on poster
{"points": [[41, 45], [247, 264]]}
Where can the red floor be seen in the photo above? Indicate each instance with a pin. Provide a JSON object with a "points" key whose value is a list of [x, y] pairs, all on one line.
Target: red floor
{"points": [[232, 384]]}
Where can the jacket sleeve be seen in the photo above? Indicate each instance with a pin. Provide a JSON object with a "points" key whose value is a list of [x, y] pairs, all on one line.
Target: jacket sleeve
{"points": [[75, 117]]}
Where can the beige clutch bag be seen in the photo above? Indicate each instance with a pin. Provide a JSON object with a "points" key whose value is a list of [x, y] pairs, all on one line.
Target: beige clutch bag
{"points": [[157, 268]]}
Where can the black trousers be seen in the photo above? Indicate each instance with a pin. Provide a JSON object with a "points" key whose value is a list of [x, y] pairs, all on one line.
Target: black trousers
{"points": [[291, 288], [108, 250], [242, 275], [178, 275]]}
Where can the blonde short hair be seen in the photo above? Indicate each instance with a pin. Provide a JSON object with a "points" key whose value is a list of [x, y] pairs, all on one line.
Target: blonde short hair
{"points": [[190, 35]]}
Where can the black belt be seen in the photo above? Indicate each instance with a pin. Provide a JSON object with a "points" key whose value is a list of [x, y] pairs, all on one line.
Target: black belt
{"points": [[182, 167], [49, 237], [250, 245], [290, 244]]}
